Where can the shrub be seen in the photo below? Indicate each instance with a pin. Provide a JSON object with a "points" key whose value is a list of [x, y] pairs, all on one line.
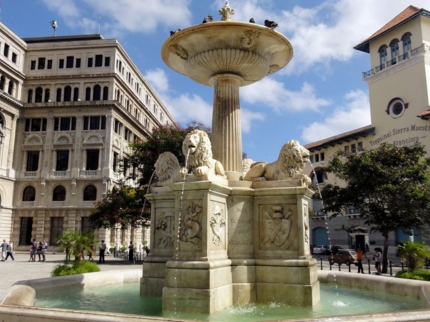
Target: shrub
{"points": [[78, 267], [417, 274], [414, 253]]}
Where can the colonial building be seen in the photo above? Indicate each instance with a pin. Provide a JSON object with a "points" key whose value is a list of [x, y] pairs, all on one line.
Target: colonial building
{"points": [[399, 91], [69, 107]]}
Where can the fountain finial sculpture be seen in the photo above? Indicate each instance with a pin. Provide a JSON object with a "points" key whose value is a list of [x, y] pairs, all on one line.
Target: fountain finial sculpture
{"points": [[226, 12]]}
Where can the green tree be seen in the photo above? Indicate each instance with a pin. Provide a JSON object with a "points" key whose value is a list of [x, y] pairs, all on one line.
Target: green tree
{"points": [[76, 244], [126, 206], [414, 254], [389, 186]]}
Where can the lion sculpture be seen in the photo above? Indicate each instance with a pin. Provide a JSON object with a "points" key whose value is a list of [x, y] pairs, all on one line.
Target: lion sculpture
{"points": [[167, 168], [197, 146], [291, 161]]}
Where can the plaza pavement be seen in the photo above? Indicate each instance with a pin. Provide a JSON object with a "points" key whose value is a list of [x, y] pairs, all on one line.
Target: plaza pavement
{"points": [[21, 269]]}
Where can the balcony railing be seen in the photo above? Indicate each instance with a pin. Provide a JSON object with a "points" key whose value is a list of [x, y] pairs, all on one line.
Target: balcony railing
{"points": [[421, 49], [30, 173], [90, 173], [60, 173]]}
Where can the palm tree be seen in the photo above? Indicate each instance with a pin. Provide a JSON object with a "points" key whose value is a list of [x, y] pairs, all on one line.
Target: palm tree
{"points": [[76, 244]]}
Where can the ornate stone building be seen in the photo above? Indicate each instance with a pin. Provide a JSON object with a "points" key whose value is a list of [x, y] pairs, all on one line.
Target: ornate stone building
{"points": [[69, 107], [399, 93]]}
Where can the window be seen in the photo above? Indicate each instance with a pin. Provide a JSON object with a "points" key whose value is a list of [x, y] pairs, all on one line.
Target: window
{"points": [[360, 146], [25, 230], [318, 176], [41, 63], [99, 61], [86, 225], [47, 94], [61, 63], [59, 193], [56, 229], [317, 158], [69, 61], [88, 94], [6, 50], [35, 125], [65, 123], [32, 161], [78, 63], [49, 64], [29, 194], [39, 94], [10, 88], [92, 160], [126, 165], [30, 96], [58, 94], [67, 94], [322, 156], [90, 62], [311, 159], [107, 61], [33, 65], [94, 122], [406, 41], [90, 193], [353, 148], [127, 134], [396, 107], [382, 57], [14, 57], [105, 93], [2, 82], [117, 127], [76, 94], [62, 160], [96, 95], [394, 46], [115, 161], [346, 149]]}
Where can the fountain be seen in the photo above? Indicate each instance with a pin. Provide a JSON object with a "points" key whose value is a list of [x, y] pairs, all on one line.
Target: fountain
{"points": [[240, 241]]}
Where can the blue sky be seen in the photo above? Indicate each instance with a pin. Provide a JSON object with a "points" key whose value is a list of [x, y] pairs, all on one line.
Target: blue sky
{"points": [[319, 94]]}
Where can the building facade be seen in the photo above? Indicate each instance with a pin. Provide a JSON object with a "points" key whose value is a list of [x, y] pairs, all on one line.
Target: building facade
{"points": [[69, 108], [399, 92]]}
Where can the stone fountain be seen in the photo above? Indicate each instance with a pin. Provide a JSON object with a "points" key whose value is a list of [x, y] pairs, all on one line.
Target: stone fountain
{"points": [[220, 238]]}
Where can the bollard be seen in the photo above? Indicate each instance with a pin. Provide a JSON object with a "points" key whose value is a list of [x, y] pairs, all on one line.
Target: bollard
{"points": [[329, 263], [321, 264], [402, 265], [349, 267], [391, 267], [368, 265], [339, 266]]}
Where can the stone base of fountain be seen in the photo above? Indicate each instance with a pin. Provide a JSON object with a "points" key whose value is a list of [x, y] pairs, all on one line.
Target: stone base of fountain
{"points": [[217, 245]]}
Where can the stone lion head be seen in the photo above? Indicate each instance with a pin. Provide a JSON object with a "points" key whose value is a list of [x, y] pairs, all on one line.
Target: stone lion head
{"points": [[198, 144], [166, 166], [294, 157]]}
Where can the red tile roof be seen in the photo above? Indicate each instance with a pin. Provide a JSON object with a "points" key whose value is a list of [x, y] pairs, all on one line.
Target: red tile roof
{"points": [[400, 18]]}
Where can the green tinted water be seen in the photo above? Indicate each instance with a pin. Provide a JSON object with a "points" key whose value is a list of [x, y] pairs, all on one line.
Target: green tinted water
{"points": [[124, 298]]}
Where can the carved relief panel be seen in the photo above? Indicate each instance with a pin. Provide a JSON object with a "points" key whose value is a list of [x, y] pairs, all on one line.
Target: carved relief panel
{"points": [[165, 229], [190, 229], [218, 227]]}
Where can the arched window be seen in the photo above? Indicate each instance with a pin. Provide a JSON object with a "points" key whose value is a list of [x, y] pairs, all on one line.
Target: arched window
{"points": [[10, 89], [117, 95], [47, 94], [29, 194], [39, 94], [394, 48], [406, 41], [58, 94], [2, 82], [75, 94], [90, 192], [382, 56], [30, 96], [318, 176], [105, 93], [88, 94], [59, 193], [97, 91], [67, 94]]}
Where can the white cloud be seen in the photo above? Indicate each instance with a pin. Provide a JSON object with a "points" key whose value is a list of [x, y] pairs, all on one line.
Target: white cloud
{"points": [[355, 114], [188, 107], [247, 117], [158, 79], [272, 93]]}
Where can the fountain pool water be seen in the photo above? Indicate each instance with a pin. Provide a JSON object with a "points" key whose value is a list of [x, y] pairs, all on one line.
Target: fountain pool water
{"points": [[124, 298]]}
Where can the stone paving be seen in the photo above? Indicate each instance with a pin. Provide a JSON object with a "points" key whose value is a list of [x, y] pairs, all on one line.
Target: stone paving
{"points": [[22, 269]]}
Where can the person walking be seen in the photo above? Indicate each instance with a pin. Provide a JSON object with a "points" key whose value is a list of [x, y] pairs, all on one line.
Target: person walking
{"points": [[377, 256], [44, 250], [360, 255], [102, 252], [4, 246], [130, 251], [33, 250], [10, 251]]}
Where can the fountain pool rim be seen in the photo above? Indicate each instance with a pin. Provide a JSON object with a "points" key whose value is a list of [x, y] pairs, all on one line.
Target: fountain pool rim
{"points": [[24, 312]]}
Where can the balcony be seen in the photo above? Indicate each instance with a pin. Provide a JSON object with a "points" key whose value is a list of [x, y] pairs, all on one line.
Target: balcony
{"points": [[397, 60]]}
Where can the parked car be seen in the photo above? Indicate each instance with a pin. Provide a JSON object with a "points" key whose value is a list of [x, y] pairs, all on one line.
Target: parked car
{"points": [[344, 256], [333, 250], [320, 249]]}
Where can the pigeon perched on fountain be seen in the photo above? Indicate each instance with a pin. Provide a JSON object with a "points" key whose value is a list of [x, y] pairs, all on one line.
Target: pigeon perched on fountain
{"points": [[252, 20], [209, 18], [174, 32], [270, 24]]}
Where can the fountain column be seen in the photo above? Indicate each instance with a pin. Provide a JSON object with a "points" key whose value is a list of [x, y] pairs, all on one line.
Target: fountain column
{"points": [[226, 133]]}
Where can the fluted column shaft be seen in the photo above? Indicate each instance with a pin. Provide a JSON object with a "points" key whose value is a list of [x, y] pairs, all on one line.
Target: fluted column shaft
{"points": [[226, 127]]}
